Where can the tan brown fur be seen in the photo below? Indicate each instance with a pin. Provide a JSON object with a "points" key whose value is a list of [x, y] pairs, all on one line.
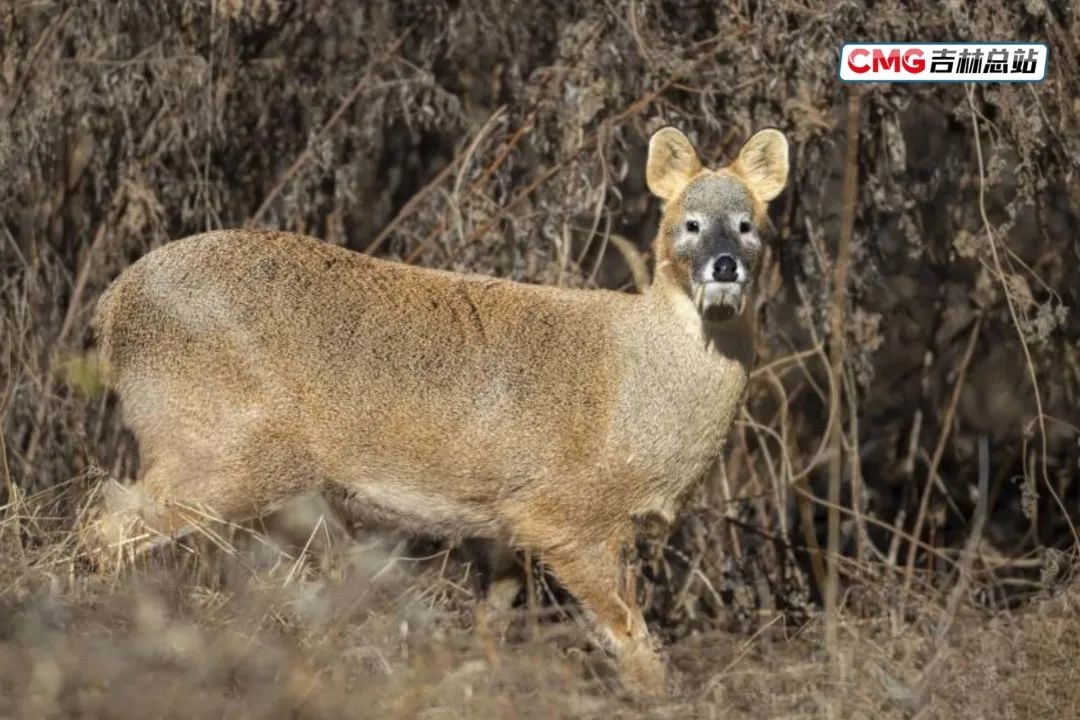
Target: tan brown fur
{"points": [[254, 366]]}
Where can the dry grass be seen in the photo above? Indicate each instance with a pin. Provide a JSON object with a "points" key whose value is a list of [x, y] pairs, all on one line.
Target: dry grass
{"points": [[935, 384], [196, 632]]}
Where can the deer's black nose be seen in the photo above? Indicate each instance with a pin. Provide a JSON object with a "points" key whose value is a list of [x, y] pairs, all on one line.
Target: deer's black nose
{"points": [[725, 269]]}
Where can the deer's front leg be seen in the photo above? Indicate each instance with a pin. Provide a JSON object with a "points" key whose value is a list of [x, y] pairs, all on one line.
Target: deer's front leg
{"points": [[601, 578]]}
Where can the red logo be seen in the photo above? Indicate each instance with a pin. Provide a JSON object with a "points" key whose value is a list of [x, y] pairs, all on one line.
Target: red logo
{"points": [[911, 61], [1003, 61]]}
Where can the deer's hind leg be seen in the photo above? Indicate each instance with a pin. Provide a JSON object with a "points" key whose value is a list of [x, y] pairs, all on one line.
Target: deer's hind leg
{"points": [[125, 521], [196, 487]]}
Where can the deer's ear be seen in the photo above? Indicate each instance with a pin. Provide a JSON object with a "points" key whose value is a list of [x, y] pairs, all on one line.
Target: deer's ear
{"points": [[763, 163], [672, 162]]}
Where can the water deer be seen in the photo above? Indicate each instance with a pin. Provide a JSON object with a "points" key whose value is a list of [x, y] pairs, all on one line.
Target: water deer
{"points": [[253, 366]]}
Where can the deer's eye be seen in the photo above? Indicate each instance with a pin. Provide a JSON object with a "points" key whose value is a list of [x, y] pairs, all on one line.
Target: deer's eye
{"points": [[745, 227], [692, 226]]}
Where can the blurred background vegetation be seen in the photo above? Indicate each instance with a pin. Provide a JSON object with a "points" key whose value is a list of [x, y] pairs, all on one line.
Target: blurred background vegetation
{"points": [[509, 138]]}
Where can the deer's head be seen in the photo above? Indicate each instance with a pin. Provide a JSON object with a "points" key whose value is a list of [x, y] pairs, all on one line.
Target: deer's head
{"points": [[708, 242]]}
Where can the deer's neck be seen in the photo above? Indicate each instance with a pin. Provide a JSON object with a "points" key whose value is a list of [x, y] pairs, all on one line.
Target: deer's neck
{"points": [[730, 336], [681, 383]]}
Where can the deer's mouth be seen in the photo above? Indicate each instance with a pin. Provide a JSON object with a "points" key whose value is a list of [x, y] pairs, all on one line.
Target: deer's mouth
{"points": [[719, 299]]}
